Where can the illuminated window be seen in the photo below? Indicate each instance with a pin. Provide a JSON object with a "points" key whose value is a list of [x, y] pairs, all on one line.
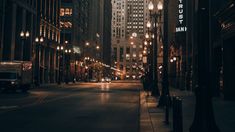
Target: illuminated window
{"points": [[134, 55], [61, 11], [128, 57], [71, 11], [66, 24], [68, 11]]}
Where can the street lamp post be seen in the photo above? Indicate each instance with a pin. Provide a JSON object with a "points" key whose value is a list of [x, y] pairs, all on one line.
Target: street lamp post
{"points": [[165, 96], [60, 57], [176, 61], [75, 69], [38, 41], [99, 72], [67, 63], [154, 16], [24, 36], [148, 44]]}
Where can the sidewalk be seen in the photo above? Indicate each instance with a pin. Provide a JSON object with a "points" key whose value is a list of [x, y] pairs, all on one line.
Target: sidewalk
{"points": [[152, 118]]}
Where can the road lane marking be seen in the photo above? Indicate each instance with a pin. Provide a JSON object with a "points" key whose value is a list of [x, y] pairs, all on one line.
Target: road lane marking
{"points": [[8, 107]]}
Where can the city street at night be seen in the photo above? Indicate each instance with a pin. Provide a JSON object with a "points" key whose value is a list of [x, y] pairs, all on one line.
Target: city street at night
{"points": [[117, 65], [101, 107]]}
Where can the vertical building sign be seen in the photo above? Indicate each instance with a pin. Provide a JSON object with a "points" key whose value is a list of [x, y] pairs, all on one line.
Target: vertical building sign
{"points": [[181, 26]]}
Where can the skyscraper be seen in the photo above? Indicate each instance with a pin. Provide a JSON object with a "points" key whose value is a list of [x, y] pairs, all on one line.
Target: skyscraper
{"points": [[128, 27]]}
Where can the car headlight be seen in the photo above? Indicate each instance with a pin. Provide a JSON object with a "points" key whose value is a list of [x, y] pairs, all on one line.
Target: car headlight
{"points": [[13, 82]]}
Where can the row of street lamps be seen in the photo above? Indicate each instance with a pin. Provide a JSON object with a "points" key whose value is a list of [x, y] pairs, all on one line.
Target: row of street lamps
{"points": [[152, 38], [62, 54], [155, 18]]}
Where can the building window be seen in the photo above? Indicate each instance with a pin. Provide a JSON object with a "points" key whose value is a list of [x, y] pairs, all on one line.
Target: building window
{"points": [[128, 50], [121, 54], [66, 24], [68, 11], [121, 67], [61, 11], [128, 57], [115, 54]]}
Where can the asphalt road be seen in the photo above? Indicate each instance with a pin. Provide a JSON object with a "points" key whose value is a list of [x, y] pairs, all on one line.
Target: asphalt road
{"points": [[84, 107]]}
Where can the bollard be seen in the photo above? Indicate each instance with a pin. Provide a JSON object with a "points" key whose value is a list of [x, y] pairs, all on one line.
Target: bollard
{"points": [[177, 114], [174, 113], [167, 110], [180, 120]]}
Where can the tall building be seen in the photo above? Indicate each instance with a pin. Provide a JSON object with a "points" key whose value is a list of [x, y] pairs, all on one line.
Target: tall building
{"points": [[34, 35], [99, 28], [70, 36], [68, 22], [17, 16], [99, 36], [136, 10], [129, 20], [46, 40], [106, 33], [2, 13], [83, 21]]}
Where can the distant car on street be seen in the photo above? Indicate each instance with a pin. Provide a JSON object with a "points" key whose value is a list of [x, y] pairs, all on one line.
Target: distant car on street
{"points": [[93, 80], [106, 79]]}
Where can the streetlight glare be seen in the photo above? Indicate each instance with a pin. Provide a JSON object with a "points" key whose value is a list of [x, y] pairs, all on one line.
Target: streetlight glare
{"points": [[97, 35], [134, 34], [41, 39], [159, 6], [27, 34], [146, 35], [144, 51], [150, 6], [21, 34], [36, 39], [153, 36], [145, 43], [148, 24]]}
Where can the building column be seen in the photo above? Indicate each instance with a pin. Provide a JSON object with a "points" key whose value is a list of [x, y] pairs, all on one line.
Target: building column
{"points": [[12, 50], [42, 64], [53, 66], [229, 68], [2, 16], [46, 64]]}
